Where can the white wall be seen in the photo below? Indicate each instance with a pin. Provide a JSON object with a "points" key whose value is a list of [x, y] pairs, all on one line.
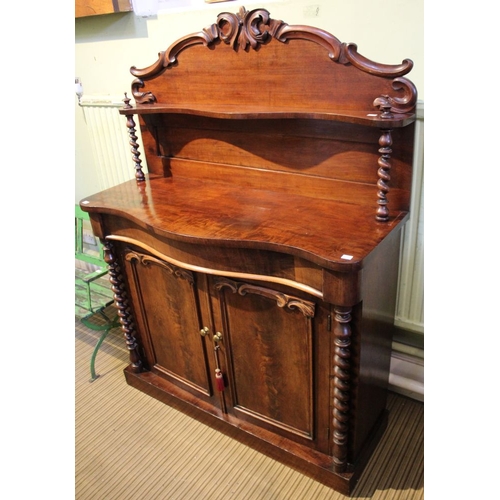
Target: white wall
{"points": [[386, 31]]}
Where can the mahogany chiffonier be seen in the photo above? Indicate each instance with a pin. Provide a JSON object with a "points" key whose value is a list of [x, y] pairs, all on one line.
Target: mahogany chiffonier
{"points": [[255, 264]]}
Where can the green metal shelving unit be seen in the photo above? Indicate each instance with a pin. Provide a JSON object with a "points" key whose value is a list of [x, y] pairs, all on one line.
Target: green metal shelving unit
{"points": [[93, 294]]}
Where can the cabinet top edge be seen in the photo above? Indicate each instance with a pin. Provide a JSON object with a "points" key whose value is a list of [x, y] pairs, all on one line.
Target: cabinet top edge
{"points": [[181, 210]]}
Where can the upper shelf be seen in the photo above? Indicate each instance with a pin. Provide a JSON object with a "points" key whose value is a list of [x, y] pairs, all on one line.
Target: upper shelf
{"points": [[238, 112]]}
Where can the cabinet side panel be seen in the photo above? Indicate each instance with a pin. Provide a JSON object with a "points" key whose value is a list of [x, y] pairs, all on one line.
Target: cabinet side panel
{"points": [[372, 337]]}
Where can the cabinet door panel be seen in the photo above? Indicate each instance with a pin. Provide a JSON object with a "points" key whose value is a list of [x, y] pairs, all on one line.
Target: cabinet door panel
{"points": [[269, 338], [169, 316]]}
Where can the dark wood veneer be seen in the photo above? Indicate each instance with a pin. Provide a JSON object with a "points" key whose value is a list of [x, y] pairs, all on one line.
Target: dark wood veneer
{"points": [[255, 264]]}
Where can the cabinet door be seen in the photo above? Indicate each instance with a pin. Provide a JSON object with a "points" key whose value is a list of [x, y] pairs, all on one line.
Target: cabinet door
{"points": [[276, 351], [167, 311]]}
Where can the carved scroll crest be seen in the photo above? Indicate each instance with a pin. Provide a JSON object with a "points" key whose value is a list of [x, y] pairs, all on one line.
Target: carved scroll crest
{"points": [[405, 104], [252, 29], [245, 28], [141, 97]]}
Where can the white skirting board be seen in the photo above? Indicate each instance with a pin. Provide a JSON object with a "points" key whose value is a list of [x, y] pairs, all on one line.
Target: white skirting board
{"points": [[407, 374]]}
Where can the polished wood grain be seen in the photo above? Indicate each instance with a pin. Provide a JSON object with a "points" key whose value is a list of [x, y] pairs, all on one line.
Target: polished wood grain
{"points": [[229, 215], [255, 265], [325, 154]]}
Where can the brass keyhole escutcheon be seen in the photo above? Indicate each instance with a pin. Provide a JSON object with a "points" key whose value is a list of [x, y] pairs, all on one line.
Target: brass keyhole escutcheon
{"points": [[204, 331]]}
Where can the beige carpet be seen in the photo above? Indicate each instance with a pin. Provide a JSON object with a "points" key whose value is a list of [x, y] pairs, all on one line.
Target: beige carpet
{"points": [[131, 447]]}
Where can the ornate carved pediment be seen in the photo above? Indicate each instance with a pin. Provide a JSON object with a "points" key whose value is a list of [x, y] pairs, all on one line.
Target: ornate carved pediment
{"points": [[250, 30]]}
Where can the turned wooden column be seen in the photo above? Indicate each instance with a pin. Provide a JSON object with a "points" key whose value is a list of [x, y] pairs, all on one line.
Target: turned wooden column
{"points": [[139, 174], [384, 163], [122, 304], [341, 386]]}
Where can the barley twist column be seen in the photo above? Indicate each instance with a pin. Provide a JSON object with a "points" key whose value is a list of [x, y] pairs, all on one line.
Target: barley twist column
{"points": [[122, 304], [341, 386], [384, 163], [139, 174]]}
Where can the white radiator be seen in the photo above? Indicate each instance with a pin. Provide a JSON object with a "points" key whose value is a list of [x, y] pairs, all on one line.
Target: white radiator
{"points": [[109, 140], [113, 158], [410, 307]]}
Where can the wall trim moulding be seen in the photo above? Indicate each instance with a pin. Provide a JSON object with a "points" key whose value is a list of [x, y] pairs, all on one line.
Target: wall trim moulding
{"points": [[407, 375]]}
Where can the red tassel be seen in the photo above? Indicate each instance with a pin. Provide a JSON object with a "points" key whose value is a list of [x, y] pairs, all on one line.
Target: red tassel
{"points": [[219, 379]]}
